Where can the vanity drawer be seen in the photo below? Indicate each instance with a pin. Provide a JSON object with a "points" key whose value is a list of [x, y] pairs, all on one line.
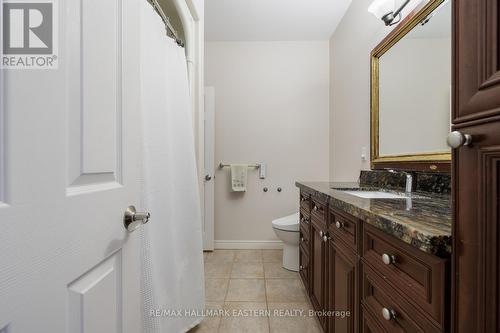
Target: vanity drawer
{"points": [[305, 201], [369, 324], [418, 276], [319, 210], [345, 228], [392, 312]]}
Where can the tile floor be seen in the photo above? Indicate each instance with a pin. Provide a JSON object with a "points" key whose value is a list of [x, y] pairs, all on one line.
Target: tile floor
{"points": [[254, 280]]}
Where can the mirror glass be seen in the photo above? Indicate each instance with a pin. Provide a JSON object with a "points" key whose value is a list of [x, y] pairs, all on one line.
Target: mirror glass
{"points": [[415, 89]]}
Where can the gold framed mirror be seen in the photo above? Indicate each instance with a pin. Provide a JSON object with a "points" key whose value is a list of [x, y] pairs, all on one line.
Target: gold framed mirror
{"points": [[411, 92]]}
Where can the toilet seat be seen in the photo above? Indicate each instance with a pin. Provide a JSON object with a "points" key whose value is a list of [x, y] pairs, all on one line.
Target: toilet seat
{"points": [[287, 223]]}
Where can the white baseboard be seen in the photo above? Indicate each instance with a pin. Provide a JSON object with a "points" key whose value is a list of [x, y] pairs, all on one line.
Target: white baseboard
{"points": [[248, 245]]}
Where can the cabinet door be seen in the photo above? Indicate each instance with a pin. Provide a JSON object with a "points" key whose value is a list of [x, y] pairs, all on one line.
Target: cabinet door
{"points": [[476, 168], [477, 60], [304, 269], [318, 256], [342, 288], [476, 231]]}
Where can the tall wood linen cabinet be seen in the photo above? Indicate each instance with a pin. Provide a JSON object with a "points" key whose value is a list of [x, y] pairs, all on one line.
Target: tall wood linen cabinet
{"points": [[476, 167]]}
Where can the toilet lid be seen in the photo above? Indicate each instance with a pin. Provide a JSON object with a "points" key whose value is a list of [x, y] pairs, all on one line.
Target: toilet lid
{"points": [[287, 223]]}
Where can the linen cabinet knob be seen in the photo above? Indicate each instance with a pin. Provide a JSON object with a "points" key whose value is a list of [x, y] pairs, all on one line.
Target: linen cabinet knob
{"points": [[456, 139]]}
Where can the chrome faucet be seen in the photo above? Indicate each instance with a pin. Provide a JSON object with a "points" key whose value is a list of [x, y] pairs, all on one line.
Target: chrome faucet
{"points": [[409, 183], [409, 180]]}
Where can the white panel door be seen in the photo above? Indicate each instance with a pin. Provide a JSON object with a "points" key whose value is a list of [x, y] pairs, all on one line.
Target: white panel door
{"points": [[69, 166]]}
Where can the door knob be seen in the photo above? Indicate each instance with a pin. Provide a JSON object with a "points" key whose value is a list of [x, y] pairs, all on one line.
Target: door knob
{"points": [[133, 219], [208, 178], [456, 139]]}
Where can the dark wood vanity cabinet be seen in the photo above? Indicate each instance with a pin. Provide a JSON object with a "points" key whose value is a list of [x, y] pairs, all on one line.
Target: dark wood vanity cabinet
{"points": [[345, 271]]}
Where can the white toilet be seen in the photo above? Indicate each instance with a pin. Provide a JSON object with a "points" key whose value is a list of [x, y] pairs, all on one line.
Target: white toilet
{"points": [[287, 229]]}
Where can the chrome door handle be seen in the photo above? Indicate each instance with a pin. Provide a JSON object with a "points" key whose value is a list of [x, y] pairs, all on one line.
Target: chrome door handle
{"points": [[456, 139], [133, 219]]}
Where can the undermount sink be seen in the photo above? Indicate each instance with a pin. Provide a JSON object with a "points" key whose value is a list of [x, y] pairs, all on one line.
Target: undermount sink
{"points": [[377, 195]]}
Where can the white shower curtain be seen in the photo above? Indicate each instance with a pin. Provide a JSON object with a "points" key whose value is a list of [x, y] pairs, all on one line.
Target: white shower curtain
{"points": [[172, 240]]}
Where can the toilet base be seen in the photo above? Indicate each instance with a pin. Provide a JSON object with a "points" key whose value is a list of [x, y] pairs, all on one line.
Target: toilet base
{"points": [[291, 257]]}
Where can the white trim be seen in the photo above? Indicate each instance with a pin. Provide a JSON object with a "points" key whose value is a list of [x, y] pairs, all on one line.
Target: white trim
{"points": [[248, 245], [209, 163]]}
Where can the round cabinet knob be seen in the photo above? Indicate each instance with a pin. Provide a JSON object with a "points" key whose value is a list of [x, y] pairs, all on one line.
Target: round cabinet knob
{"points": [[265, 189], [325, 238], [388, 259], [456, 139], [321, 234], [301, 267], [388, 314], [208, 178], [315, 208], [279, 189], [302, 239], [339, 225]]}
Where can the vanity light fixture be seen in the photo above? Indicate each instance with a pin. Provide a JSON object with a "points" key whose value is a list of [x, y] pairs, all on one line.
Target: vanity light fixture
{"points": [[385, 10]]}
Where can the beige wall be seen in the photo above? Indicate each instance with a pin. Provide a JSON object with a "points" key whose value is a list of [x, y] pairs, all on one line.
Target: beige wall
{"points": [[350, 46], [271, 107]]}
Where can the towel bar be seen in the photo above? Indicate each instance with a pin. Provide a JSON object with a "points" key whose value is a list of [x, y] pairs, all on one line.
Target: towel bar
{"points": [[223, 165]]}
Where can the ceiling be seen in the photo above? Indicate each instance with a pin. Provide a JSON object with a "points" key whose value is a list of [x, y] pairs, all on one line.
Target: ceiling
{"points": [[272, 20]]}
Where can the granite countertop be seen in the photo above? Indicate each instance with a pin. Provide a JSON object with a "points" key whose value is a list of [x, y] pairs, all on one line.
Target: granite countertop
{"points": [[424, 221]]}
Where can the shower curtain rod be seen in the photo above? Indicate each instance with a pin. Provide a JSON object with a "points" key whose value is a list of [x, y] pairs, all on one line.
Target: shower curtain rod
{"points": [[168, 26]]}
